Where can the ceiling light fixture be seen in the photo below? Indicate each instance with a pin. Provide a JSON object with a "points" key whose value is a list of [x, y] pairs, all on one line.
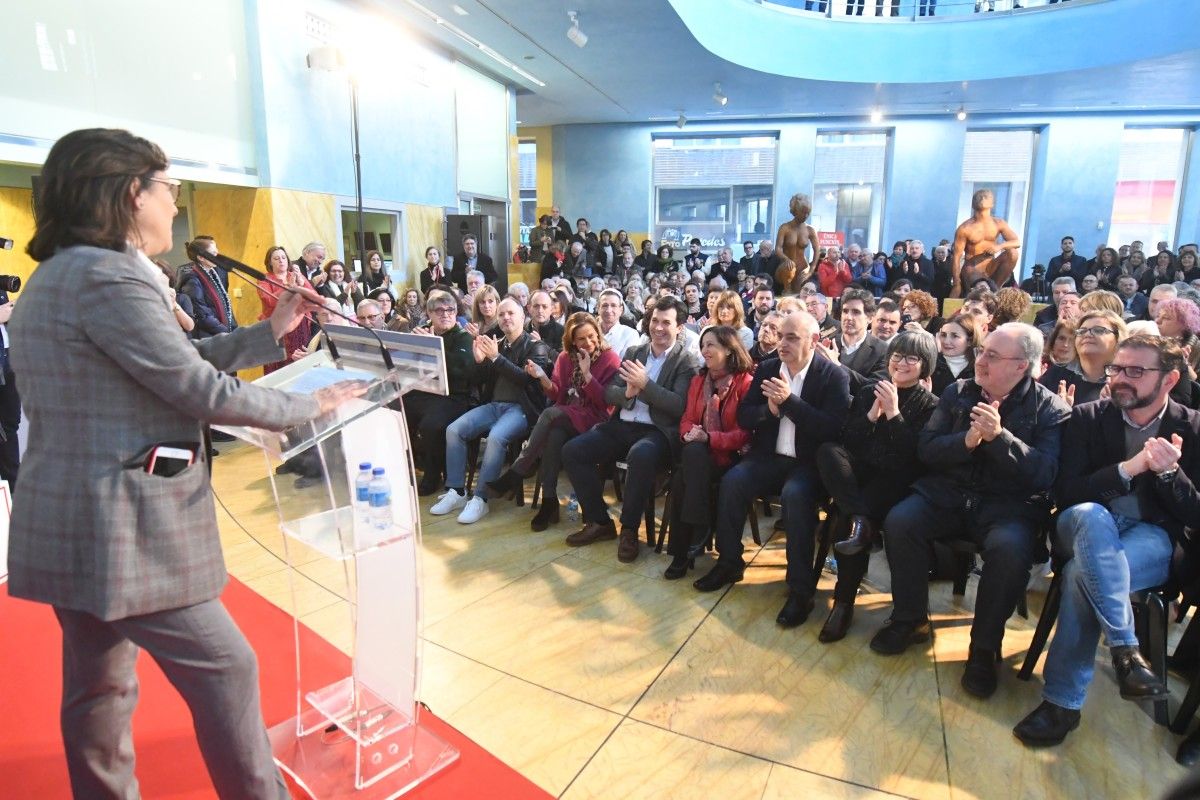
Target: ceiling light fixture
{"points": [[962, 114], [718, 96], [457, 9], [471, 40], [876, 115], [679, 123], [577, 37]]}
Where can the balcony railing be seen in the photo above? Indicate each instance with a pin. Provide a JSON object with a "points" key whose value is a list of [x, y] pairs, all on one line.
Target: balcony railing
{"points": [[923, 10]]}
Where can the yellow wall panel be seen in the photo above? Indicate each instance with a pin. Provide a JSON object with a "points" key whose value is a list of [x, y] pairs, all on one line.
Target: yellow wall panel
{"points": [[423, 227], [16, 223]]}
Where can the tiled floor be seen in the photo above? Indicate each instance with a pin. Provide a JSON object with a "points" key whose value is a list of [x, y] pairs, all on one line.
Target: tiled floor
{"points": [[602, 680]]}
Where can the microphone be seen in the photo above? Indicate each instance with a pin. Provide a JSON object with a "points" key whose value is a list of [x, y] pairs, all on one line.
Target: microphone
{"points": [[246, 272]]}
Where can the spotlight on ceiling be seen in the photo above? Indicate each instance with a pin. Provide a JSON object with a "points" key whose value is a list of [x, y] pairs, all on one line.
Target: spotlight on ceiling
{"points": [[679, 123], [718, 96], [962, 114], [577, 37], [876, 115]]}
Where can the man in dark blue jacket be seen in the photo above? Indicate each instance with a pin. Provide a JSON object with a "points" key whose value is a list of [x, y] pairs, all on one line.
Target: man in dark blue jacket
{"points": [[1126, 489], [796, 403], [991, 449], [1068, 265]]}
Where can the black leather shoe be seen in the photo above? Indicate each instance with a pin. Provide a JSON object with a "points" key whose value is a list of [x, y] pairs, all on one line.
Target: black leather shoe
{"points": [[679, 567], [1188, 753], [508, 483], [862, 536], [1047, 725], [796, 610], [895, 637], [1134, 675], [837, 623], [547, 515], [722, 574], [980, 675]]}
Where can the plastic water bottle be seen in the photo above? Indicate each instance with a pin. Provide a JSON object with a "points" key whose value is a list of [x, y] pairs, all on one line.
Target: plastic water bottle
{"points": [[380, 493], [573, 508], [362, 496]]}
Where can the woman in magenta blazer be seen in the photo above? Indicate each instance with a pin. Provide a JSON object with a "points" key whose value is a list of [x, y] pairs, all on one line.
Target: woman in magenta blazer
{"points": [[576, 391], [711, 438]]}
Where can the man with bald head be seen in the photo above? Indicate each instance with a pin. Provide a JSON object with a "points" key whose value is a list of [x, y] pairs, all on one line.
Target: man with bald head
{"points": [[795, 404]]}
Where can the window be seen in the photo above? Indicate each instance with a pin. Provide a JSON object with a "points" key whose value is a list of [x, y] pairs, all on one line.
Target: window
{"points": [[1003, 162], [527, 185], [1146, 200], [848, 187], [720, 190]]}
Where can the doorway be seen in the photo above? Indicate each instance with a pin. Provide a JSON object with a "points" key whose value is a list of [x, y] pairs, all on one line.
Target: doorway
{"points": [[497, 213]]}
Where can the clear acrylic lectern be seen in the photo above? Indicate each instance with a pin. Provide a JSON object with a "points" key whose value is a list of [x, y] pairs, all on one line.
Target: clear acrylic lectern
{"points": [[361, 736]]}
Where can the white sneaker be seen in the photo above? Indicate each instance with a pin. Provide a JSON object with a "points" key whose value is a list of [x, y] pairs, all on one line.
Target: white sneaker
{"points": [[450, 501], [477, 509]]}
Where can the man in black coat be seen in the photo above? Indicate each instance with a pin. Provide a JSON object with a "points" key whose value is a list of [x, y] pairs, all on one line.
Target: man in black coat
{"points": [[862, 356], [1126, 490], [991, 450], [796, 403], [1069, 263], [470, 258]]}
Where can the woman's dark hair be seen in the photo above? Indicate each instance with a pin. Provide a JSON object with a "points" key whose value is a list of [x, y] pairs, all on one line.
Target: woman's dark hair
{"points": [[84, 196], [738, 360], [915, 343], [367, 264], [270, 252], [331, 263], [670, 250], [427, 249]]}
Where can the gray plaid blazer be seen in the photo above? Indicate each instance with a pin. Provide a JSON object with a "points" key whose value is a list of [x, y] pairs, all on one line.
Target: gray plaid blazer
{"points": [[105, 373]]}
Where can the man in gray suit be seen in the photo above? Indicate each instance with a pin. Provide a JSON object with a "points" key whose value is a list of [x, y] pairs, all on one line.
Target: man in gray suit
{"points": [[131, 558], [650, 392], [862, 356]]}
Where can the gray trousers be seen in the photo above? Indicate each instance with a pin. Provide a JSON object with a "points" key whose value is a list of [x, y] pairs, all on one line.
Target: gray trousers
{"points": [[208, 661]]}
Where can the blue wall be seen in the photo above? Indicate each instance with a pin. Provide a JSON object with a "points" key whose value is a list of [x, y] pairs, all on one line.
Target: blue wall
{"points": [[603, 172]]}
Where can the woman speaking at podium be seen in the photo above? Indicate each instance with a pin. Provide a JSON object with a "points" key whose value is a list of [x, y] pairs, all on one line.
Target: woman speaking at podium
{"points": [[113, 524]]}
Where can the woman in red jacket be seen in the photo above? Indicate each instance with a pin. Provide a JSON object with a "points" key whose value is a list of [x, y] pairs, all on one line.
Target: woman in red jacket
{"points": [[282, 272], [833, 274], [711, 441], [576, 391]]}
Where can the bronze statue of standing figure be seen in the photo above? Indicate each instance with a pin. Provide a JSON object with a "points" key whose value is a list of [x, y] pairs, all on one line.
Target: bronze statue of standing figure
{"points": [[792, 243]]}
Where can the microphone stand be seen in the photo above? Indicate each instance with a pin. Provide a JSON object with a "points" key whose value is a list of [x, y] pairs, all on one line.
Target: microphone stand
{"points": [[246, 272]]}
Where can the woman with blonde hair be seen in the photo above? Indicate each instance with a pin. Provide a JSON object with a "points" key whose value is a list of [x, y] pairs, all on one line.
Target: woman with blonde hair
{"points": [[485, 310], [1097, 334], [729, 311], [1102, 299], [576, 389]]}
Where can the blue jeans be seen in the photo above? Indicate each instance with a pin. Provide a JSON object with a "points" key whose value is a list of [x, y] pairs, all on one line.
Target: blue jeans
{"points": [[1114, 556], [502, 422]]}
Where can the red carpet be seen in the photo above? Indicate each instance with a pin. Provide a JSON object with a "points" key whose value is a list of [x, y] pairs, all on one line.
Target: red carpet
{"points": [[168, 762]]}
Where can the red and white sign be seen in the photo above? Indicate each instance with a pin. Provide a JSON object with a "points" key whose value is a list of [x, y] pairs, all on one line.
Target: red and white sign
{"points": [[830, 239]]}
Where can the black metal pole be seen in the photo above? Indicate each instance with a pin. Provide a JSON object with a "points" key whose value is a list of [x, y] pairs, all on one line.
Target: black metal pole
{"points": [[358, 203]]}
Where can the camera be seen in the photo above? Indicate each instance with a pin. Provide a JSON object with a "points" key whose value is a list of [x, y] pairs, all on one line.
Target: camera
{"points": [[10, 283], [907, 318]]}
